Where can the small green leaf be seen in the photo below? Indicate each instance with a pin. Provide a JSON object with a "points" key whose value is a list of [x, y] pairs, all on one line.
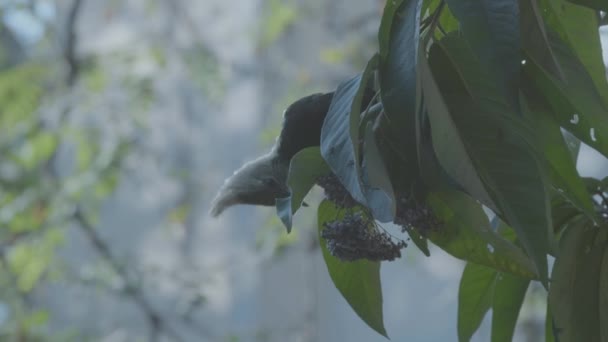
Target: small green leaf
{"points": [[475, 296], [304, 170], [283, 207], [466, 234], [420, 241], [509, 293], [358, 281]]}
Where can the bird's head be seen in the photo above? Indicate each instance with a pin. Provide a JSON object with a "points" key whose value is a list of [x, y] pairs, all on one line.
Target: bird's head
{"points": [[258, 182]]}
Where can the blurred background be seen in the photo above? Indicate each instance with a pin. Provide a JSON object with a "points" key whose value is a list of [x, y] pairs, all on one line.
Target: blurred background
{"points": [[118, 122]]}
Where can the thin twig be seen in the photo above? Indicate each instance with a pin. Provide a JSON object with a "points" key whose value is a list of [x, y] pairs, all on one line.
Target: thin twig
{"points": [[156, 322], [71, 42]]}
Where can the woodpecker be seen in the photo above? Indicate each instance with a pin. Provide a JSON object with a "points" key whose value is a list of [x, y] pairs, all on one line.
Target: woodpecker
{"points": [[260, 181]]}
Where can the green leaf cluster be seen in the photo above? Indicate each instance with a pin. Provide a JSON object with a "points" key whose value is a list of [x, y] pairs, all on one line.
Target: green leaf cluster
{"points": [[480, 106]]}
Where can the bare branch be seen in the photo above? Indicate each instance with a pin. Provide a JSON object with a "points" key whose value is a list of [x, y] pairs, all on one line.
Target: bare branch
{"points": [[156, 322], [71, 41]]}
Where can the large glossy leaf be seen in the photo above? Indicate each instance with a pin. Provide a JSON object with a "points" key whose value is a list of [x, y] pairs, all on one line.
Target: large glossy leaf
{"points": [[304, 169], [492, 30], [358, 281], [576, 103], [448, 143], [535, 40], [574, 296], [598, 5], [509, 293], [562, 166], [339, 145], [466, 234], [501, 145], [475, 296], [397, 76], [578, 27]]}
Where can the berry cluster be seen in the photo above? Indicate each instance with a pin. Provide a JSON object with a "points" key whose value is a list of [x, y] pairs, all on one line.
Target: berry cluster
{"points": [[413, 215], [357, 237], [335, 191]]}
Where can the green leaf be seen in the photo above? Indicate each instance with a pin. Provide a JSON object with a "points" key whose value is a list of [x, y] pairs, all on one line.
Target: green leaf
{"points": [[492, 30], [598, 5], [578, 27], [574, 296], [386, 26], [509, 293], [535, 41], [340, 145], [466, 234], [358, 281], [448, 21], [283, 207], [501, 144], [603, 300], [475, 296], [448, 143], [379, 188], [304, 169], [561, 165], [573, 143], [397, 76], [337, 147], [576, 103], [420, 241], [549, 331], [428, 5]]}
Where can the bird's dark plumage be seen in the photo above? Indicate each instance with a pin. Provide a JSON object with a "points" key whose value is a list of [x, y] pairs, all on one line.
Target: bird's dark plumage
{"points": [[302, 124]]}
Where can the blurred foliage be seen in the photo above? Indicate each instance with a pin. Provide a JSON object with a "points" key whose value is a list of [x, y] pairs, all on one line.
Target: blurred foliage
{"points": [[205, 71], [278, 15], [52, 162]]}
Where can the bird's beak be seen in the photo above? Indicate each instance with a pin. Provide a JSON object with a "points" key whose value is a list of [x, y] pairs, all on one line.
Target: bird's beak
{"points": [[245, 186]]}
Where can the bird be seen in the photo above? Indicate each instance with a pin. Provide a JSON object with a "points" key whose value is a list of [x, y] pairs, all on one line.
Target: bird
{"points": [[262, 180]]}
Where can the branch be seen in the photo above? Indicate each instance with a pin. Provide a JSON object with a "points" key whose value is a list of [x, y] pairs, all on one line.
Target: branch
{"points": [[71, 41], [155, 319]]}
